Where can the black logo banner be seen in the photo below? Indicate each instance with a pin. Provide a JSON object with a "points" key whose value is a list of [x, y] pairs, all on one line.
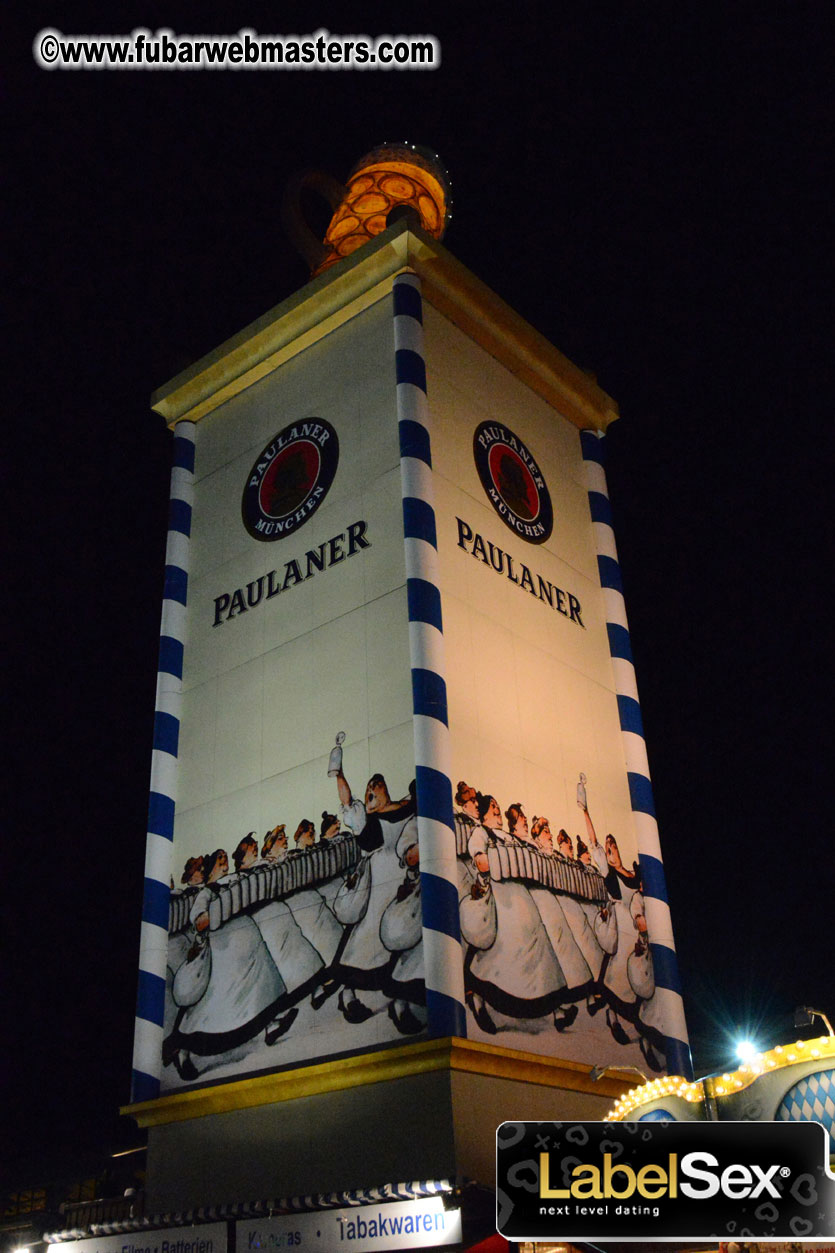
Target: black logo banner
{"points": [[513, 482], [290, 479], [663, 1180]]}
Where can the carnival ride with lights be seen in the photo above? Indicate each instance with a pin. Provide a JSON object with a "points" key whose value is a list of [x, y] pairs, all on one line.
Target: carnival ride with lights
{"points": [[789, 1083]]}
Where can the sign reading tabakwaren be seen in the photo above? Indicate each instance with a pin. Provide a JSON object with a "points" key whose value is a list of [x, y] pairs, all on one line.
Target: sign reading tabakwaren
{"points": [[420, 1224]]}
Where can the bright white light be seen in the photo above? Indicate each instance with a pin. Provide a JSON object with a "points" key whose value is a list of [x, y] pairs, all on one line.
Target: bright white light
{"points": [[745, 1050]]}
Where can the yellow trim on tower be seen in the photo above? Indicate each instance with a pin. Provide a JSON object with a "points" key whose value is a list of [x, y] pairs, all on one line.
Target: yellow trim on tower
{"points": [[351, 286], [449, 1054]]}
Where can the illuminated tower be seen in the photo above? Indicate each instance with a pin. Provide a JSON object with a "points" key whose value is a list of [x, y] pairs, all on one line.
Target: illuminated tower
{"points": [[400, 784]]}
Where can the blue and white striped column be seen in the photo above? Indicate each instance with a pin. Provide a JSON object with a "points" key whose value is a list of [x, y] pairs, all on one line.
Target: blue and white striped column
{"points": [[668, 986], [443, 962], [153, 944]]}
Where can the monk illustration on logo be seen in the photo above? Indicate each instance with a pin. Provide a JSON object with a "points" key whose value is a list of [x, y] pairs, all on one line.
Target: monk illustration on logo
{"points": [[512, 485], [288, 487]]}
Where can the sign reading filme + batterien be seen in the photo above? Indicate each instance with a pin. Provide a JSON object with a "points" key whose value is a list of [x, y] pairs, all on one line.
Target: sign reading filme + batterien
{"points": [[205, 1238]]}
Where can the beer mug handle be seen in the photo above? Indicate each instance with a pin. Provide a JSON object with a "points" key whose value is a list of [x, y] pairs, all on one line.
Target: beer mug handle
{"points": [[297, 228]]}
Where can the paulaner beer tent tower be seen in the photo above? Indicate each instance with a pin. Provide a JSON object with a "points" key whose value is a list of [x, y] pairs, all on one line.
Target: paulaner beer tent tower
{"points": [[403, 877]]}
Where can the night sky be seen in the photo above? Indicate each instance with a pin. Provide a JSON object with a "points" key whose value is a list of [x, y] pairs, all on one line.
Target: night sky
{"points": [[647, 184]]}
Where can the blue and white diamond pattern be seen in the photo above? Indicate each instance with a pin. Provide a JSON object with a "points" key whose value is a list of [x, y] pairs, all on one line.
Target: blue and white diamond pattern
{"points": [[811, 1100]]}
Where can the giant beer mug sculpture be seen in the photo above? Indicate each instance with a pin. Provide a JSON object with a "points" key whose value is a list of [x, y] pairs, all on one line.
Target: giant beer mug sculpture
{"points": [[391, 182]]}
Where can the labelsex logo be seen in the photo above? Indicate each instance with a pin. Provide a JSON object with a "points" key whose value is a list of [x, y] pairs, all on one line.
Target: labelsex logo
{"points": [[290, 479], [693, 1179], [653, 1180]]}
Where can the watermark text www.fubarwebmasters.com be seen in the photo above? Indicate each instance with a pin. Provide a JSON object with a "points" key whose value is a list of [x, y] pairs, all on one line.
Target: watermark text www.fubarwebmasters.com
{"points": [[246, 50]]}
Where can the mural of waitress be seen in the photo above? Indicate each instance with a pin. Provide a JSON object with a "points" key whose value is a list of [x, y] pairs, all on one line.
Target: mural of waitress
{"points": [[510, 966], [362, 962], [575, 973], [466, 820], [296, 959], [401, 932], [641, 974], [311, 909], [622, 885], [241, 991]]}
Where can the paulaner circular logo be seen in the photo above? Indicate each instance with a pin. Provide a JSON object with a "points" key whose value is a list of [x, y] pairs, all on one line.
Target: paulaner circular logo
{"points": [[513, 482], [290, 479]]}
